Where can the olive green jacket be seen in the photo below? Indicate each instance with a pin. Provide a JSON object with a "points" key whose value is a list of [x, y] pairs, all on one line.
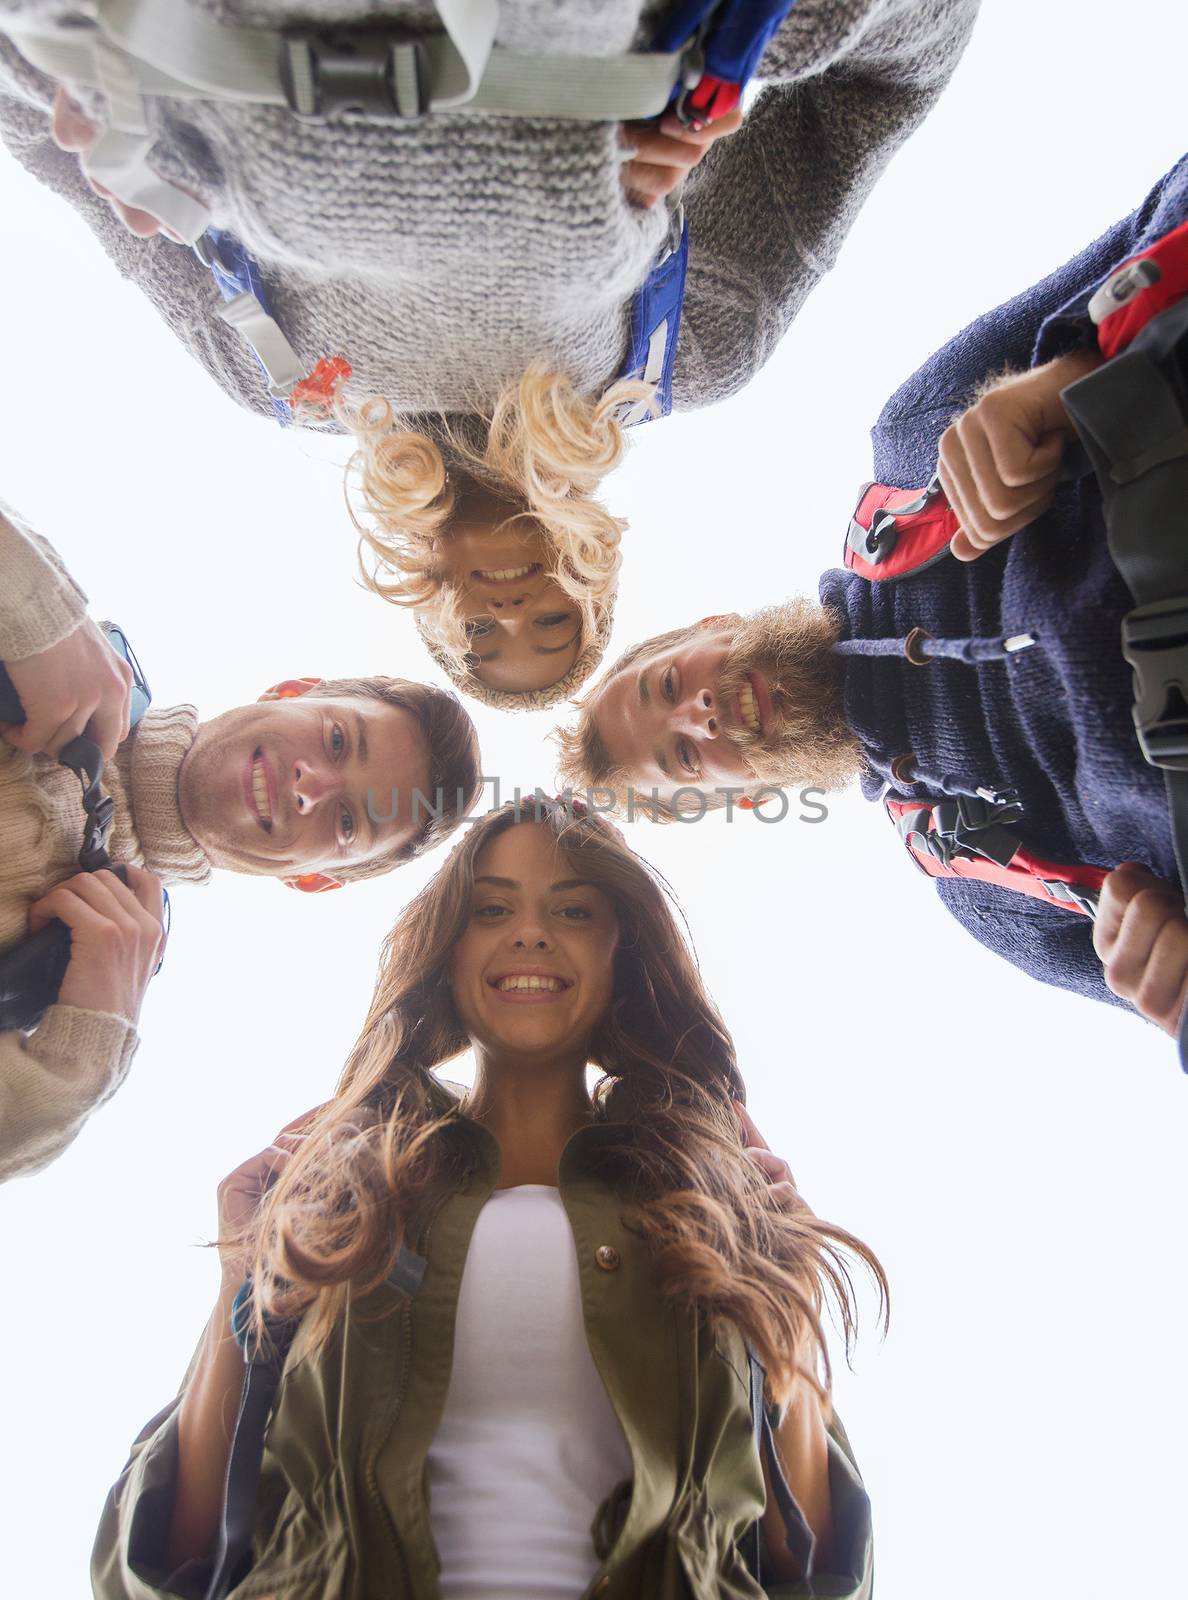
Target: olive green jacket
{"points": [[342, 1510]]}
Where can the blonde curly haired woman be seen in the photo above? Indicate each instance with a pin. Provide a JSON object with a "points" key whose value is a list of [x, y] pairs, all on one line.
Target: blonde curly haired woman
{"points": [[532, 1320], [443, 258]]}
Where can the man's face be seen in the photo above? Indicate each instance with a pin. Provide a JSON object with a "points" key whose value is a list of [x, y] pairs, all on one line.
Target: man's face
{"points": [[281, 788], [741, 703]]}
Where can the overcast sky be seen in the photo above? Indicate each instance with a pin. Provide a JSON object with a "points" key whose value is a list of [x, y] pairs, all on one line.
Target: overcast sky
{"points": [[1014, 1154]]}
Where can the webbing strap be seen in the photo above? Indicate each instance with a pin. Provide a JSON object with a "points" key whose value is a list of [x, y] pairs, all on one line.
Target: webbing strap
{"points": [[238, 1521], [1133, 422]]}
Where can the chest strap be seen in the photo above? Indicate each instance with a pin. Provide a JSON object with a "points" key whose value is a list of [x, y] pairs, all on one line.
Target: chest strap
{"points": [[967, 837], [897, 532]]}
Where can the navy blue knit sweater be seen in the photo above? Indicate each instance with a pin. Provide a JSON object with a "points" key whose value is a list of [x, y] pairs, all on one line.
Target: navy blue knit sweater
{"points": [[1052, 722]]}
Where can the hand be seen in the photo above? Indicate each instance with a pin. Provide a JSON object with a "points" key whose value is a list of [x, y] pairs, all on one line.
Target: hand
{"points": [[783, 1190], [242, 1192], [73, 131], [76, 682], [664, 154], [1141, 935], [1000, 461], [116, 938]]}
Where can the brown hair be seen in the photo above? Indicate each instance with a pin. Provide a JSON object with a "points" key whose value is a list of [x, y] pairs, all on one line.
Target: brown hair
{"points": [[455, 765], [332, 1226]]}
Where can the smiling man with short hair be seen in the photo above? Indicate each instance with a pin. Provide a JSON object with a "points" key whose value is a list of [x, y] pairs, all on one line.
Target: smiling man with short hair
{"points": [[317, 784]]}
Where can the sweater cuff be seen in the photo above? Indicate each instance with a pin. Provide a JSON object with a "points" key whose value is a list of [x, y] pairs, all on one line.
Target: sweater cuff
{"points": [[94, 1048], [40, 603]]}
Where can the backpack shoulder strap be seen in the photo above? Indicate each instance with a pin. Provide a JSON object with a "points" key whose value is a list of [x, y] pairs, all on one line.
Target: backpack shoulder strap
{"points": [[895, 533]]}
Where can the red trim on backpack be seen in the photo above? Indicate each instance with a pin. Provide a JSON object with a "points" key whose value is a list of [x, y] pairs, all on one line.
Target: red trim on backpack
{"points": [[710, 99], [1026, 873], [920, 536], [1170, 255]]}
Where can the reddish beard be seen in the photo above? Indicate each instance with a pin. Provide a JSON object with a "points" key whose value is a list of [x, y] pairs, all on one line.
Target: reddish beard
{"points": [[807, 739]]}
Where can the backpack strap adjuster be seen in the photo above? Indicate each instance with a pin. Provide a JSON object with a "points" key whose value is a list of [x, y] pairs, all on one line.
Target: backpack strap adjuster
{"points": [[369, 73], [1155, 643]]}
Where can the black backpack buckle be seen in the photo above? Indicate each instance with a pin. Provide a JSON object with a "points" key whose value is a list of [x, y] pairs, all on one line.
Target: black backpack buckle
{"points": [[371, 74], [1155, 643]]}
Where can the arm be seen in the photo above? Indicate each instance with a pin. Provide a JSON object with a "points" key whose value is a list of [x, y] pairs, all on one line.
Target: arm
{"points": [[53, 1078], [843, 1563], [768, 209], [801, 1444], [40, 603]]}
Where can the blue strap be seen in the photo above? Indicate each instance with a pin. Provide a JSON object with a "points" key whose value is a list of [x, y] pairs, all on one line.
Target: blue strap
{"points": [[736, 33], [235, 272], [656, 316]]}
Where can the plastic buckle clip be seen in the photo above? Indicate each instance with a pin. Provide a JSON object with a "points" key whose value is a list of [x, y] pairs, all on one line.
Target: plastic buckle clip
{"points": [[370, 74], [1155, 643]]}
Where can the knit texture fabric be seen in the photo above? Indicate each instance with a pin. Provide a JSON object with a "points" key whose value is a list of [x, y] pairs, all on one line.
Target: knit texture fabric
{"points": [[52, 1079], [40, 603], [441, 258], [1052, 722]]}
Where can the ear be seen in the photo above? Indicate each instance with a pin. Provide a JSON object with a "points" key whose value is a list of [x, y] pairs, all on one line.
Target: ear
{"points": [[290, 688], [312, 883]]}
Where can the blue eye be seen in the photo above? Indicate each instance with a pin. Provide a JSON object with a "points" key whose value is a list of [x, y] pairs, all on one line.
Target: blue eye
{"points": [[337, 740]]}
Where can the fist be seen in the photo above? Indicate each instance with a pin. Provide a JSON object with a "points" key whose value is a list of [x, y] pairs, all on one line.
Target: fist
{"points": [[1141, 935], [999, 463], [662, 154], [116, 938], [782, 1191], [242, 1192], [76, 682]]}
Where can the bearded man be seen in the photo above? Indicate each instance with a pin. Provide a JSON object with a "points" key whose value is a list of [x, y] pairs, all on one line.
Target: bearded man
{"points": [[976, 684], [318, 784]]}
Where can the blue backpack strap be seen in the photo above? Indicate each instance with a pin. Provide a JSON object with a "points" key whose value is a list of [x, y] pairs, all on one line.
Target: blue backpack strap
{"points": [[656, 326], [731, 36]]}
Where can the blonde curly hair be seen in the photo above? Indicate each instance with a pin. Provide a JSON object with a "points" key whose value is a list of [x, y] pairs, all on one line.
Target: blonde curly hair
{"points": [[544, 450]]}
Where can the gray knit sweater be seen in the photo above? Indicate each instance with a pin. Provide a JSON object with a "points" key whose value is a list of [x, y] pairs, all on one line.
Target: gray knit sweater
{"points": [[441, 258]]}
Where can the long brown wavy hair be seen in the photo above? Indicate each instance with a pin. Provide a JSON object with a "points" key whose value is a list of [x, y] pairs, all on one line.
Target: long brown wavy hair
{"points": [[331, 1227]]}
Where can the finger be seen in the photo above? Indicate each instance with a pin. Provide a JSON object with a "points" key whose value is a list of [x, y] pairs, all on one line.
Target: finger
{"points": [[1118, 890], [1000, 499], [647, 183], [1163, 986], [70, 129], [785, 1195], [1020, 460], [753, 1138], [147, 890], [659, 150], [69, 907], [775, 1167], [706, 133], [953, 472], [1142, 923], [110, 723]]}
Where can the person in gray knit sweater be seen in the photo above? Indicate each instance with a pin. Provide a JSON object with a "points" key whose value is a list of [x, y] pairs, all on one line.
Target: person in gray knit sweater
{"points": [[467, 267], [277, 789]]}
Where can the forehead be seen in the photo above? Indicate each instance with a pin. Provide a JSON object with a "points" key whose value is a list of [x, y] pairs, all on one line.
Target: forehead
{"points": [[525, 851]]}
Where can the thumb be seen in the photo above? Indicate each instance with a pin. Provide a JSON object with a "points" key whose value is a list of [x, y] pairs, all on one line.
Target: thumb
{"points": [[1023, 459]]}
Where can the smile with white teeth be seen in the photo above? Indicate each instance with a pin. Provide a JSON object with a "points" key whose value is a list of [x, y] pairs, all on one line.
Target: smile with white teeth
{"points": [[523, 980], [747, 707], [260, 792], [506, 574]]}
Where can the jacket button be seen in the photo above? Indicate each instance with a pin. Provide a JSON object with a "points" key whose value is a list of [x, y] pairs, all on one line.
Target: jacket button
{"points": [[903, 768], [607, 1258]]}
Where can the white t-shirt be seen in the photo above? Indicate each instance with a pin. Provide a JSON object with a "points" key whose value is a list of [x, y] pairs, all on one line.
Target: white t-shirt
{"points": [[529, 1445]]}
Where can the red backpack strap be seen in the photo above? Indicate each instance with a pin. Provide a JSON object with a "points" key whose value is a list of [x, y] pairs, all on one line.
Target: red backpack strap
{"points": [[1140, 289], [965, 837], [896, 532]]}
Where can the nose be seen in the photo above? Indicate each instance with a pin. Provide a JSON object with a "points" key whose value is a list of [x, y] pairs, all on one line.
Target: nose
{"points": [[509, 604], [311, 785], [531, 935], [697, 715]]}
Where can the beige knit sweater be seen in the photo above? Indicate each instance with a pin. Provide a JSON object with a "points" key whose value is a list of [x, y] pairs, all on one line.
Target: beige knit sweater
{"points": [[53, 1078]]}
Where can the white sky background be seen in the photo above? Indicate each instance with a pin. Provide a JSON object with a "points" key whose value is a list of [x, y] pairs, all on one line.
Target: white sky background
{"points": [[1015, 1155]]}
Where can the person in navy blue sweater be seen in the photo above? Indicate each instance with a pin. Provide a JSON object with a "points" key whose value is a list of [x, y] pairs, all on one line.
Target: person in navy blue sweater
{"points": [[1021, 684]]}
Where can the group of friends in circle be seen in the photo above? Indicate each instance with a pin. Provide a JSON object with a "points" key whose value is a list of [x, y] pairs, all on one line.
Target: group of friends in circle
{"points": [[537, 1331]]}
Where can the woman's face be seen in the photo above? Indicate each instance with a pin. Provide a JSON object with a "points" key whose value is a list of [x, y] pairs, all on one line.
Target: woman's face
{"points": [[533, 973], [525, 632]]}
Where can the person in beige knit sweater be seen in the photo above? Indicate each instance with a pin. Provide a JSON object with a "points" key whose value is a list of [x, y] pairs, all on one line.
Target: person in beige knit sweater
{"points": [[285, 788]]}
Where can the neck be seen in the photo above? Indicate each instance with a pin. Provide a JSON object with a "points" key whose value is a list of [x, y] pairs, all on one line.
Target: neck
{"points": [[532, 1108], [148, 828]]}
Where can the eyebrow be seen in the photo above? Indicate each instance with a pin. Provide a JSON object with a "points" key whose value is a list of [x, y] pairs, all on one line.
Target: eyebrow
{"points": [[661, 761], [514, 883], [645, 693], [361, 738]]}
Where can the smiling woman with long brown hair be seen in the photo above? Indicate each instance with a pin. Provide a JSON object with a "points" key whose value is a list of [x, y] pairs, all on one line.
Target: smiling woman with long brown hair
{"points": [[531, 1318]]}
